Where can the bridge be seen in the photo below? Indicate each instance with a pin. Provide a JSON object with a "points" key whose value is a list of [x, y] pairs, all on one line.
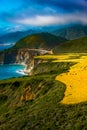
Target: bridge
{"points": [[42, 51]]}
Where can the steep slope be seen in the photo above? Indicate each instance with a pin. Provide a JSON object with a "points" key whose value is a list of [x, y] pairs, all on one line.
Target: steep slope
{"points": [[33, 103], [20, 53], [40, 40], [18, 56], [71, 33], [78, 45], [24, 101]]}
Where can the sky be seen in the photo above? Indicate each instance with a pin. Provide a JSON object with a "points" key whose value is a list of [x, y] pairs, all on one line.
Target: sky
{"points": [[16, 15]]}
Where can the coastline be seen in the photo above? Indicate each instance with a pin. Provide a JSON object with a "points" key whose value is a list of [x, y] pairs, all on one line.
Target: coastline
{"points": [[12, 70], [21, 71], [27, 71]]}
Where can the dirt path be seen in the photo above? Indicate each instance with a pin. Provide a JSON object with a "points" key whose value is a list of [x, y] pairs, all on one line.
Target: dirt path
{"points": [[76, 83]]}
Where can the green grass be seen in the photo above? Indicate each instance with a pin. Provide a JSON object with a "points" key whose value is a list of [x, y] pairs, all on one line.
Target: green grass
{"points": [[74, 46], [45, 112], [51, 68], [41, 40]]}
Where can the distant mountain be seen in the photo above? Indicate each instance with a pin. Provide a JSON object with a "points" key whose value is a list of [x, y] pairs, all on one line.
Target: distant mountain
{"points": [[71, 33], [40, 40], [78, 45], [15, 36]]}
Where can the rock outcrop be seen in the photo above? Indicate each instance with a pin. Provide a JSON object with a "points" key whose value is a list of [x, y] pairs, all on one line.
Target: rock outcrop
{"points": [[23, 56], [20, 56]]}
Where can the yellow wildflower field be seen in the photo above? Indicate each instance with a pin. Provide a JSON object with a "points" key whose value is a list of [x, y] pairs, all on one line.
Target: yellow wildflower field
{"points": [[76, 82], [76, 79]]}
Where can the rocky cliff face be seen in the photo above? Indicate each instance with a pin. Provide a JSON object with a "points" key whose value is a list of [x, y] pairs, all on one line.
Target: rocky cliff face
{"points": [[20, 56]]}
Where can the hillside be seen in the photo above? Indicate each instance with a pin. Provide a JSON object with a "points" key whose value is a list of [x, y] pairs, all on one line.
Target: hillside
{"points": [[40, 40], [33, 103], [78, 45], [71, 33], [24, 101], [19, 53], [15, 36]]}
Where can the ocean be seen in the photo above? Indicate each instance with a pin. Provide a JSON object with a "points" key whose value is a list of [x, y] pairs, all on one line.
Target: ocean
{"points": [[10, 71], [5, 47]]}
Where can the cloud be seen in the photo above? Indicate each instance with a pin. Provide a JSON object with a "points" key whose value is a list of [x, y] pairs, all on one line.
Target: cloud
{"points": [[14, 29], [45, 13], [46, 20], [51, 12]]}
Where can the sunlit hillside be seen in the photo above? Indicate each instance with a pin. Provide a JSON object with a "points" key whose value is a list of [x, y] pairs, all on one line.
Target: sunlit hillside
{"points": [[73, 46]]}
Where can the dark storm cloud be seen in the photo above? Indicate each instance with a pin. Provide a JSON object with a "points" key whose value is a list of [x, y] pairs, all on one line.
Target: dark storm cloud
{"points": [[46, 7], [68, 5]]}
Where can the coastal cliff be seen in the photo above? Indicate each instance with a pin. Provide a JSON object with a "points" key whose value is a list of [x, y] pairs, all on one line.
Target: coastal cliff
{"points": [[23, 56], [19, 56], [24, 50]]}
